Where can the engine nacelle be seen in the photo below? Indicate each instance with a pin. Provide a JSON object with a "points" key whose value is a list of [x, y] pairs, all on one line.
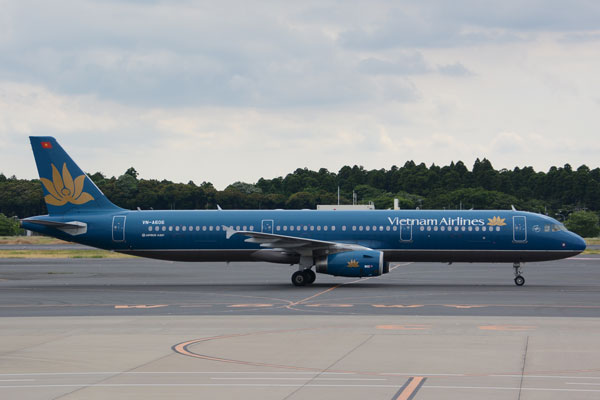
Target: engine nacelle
{"points": [[357, 264]]}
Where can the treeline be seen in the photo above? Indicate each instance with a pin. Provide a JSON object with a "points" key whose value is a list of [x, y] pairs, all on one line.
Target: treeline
{"points": [[557, 192]]}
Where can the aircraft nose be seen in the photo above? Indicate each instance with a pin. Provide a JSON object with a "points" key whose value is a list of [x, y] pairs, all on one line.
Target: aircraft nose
{"points": [[576, 242]]}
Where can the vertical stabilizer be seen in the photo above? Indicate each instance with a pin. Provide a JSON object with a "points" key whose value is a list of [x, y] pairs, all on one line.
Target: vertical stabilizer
{"points": [[67, 189]]}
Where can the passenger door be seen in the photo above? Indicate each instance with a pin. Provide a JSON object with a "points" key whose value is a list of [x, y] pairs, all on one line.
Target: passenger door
{"points": [[519, 229], [406, 233], [267, 226], [118, 228]]}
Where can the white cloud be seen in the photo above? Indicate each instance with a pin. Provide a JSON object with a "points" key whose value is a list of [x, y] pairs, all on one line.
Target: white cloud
{"points": [[234, 91]]}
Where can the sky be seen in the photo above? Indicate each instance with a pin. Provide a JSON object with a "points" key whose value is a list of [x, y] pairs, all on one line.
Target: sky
{"points": [[225, 91]]}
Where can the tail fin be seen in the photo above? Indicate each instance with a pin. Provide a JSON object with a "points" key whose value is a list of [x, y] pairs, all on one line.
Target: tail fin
{"points": [[66, 187]]}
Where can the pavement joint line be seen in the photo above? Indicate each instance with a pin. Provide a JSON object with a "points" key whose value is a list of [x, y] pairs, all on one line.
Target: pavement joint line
{"points": [[369, 337]]}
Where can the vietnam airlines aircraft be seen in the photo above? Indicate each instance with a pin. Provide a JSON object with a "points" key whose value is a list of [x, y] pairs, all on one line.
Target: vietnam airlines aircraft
{"points": [[341, 243]]}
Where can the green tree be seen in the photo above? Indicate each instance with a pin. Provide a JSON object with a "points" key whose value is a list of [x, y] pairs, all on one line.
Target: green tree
{"points": [[583, 223], [9, 226], [301, 200]]}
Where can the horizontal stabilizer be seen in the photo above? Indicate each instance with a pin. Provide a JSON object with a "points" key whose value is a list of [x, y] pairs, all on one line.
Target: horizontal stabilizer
{"points": [[71, 227]]}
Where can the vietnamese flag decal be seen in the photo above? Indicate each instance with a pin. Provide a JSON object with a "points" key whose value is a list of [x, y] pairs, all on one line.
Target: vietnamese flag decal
{"points": [[46, 145]]}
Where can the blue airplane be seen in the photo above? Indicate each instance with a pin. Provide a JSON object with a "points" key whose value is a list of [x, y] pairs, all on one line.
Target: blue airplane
{"points": [[340, 243]]}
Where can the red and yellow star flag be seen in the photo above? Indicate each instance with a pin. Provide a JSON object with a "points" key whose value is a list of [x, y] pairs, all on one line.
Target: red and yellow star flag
{"points": [[46, 145]]}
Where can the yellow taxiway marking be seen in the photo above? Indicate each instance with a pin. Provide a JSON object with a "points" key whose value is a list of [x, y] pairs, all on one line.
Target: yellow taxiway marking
{"points": [[409, 327], [507, 327], [410, 388]]}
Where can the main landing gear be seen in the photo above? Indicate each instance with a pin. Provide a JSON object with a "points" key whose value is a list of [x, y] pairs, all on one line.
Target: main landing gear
{"points": [[303, 277], [519, 280]]}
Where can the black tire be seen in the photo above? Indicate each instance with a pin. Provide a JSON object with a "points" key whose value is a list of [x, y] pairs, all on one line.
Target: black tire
{"points": [[310, 276], [519, 281], [299, 278]]}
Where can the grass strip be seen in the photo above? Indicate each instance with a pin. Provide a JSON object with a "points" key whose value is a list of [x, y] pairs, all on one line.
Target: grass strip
{"points": [[61, 254]]}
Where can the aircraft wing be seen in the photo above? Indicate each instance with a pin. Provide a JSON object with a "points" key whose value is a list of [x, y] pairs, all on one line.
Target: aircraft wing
{"points": [[292, 243]]}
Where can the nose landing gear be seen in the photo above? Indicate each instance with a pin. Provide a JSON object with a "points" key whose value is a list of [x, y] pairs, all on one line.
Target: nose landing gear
{"points": [[519, 280]]}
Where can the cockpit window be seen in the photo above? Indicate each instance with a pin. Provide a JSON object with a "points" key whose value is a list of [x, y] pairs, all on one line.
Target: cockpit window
{"points": [[546, 228], [558, 227]]}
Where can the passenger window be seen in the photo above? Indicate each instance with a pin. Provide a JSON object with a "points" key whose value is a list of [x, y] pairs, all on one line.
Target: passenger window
{"points": [[325, 228], [210, 228], [285, 227], [217, 228]]}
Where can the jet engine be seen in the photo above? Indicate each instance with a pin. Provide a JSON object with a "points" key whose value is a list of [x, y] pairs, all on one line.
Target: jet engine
{"points": [[357, 264]]}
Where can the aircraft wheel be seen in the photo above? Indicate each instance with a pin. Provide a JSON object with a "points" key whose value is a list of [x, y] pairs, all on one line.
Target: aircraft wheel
{"points": [[519, 281], [310, 276], [299, 278]]}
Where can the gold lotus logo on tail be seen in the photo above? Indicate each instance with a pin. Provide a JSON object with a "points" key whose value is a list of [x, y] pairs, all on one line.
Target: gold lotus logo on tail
{"points": [[63, 189], [352, 264], [496, 221]]}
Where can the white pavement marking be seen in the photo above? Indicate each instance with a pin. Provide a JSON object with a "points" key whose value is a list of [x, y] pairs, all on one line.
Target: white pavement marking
{"points": [[303, 379], [583, 383], [289, 385]]}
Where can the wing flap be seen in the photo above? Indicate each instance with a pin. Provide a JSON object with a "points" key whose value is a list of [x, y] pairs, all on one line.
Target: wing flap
{"points": [[292, 243]]}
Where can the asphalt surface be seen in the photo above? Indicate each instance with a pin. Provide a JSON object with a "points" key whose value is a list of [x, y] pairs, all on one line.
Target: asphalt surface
{"points": [[144, 329], [78, 287]]}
